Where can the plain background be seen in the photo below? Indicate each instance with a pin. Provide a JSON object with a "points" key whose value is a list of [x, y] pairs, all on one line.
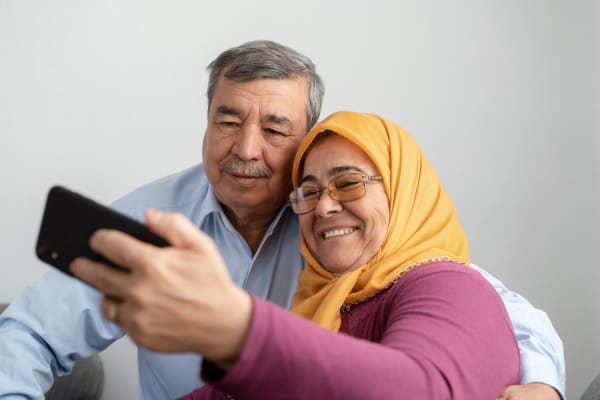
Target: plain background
{"points": [[503, 97]]}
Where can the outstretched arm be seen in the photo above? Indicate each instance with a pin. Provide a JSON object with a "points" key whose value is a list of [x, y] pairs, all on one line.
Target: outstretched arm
{"points": [[542, 353], [436, 340]]}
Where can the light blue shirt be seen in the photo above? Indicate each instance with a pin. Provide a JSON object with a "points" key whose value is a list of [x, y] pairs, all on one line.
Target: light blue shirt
{"points": [[57, 319]]}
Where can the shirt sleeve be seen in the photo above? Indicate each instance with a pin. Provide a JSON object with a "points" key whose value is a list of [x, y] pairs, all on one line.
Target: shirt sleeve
{"points": [[52, 324], [447, 336], [542, 353]]}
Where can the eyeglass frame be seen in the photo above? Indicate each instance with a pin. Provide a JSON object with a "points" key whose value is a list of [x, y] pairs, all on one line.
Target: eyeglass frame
{"points": [[333, 193]]}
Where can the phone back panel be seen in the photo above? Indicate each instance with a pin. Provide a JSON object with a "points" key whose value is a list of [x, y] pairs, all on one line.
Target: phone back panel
{"points": [[68, 222]]}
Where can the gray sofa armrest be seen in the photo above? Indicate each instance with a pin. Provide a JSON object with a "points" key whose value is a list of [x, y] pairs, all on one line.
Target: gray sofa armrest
{"points": [[593, 390]]}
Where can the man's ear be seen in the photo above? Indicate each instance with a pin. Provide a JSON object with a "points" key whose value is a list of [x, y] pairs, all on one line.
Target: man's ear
{"points": [[204, 145]]}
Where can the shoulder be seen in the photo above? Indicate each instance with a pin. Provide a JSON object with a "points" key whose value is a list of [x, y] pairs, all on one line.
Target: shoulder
{"points": [[443, 273], [440, 306], [448, 287], [176, 192]]}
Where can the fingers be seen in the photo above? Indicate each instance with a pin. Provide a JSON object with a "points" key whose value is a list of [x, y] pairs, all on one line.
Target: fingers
{"points": [[133, 254], [511, 392], [110, 309], [507, 393], [104, 278], [529, 391], [122, 249], [177, 230]]}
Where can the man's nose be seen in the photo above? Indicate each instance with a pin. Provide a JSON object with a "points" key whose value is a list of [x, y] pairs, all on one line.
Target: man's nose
{"points": [[249, 142]]}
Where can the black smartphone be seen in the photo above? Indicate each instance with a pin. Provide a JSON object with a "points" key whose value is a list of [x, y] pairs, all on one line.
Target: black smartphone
{"points": [[68, 222]]}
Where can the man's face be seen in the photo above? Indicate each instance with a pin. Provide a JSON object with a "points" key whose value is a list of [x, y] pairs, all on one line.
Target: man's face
{"points": [[253, 131]]}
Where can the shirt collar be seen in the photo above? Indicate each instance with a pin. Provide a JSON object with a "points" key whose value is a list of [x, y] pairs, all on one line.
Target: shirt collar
{"points": [[212, 206]]}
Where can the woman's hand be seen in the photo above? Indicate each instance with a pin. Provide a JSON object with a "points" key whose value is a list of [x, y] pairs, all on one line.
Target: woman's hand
{"points": [[172, 299]]}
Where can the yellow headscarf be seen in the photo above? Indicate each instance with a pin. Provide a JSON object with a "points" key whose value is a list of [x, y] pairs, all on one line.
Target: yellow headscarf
{"points": [[423, 225]]}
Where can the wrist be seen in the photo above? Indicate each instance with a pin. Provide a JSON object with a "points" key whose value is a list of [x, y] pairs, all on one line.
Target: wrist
{"points": [[235, 331]]}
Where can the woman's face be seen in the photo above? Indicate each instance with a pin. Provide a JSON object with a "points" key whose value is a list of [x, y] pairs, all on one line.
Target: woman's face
{"points": [[342, 236]]}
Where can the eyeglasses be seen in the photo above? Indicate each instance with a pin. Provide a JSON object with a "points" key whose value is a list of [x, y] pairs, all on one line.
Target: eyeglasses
{"points": [[343, 188]]}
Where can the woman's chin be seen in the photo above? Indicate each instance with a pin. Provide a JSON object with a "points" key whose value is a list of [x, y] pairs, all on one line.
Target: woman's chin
{"points": [[337, 268]]}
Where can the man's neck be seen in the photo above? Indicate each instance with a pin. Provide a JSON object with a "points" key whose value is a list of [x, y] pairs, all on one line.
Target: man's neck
{"points": [[251, 225]]}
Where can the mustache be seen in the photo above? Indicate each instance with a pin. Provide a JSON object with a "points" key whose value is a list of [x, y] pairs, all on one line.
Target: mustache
{"points": [[235, 166]]}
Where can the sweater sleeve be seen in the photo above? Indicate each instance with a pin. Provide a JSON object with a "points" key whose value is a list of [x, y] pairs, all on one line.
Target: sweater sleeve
{"points": [[446, 336]]}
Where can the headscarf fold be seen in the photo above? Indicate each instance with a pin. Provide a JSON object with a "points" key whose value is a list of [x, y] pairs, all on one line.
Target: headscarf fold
{"points": [[423, 225]]}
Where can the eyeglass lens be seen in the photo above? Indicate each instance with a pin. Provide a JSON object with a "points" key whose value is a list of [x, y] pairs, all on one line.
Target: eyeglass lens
{"points": [[343, 188]]}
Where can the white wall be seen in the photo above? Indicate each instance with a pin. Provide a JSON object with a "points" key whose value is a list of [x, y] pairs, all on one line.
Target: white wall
{"points": [[502, 95]]}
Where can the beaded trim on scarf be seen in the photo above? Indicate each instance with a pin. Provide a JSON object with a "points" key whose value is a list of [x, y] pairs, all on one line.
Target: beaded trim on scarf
{"points": [[348, 307]]}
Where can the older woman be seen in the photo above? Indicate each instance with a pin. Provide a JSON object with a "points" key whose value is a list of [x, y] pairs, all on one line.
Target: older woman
{"points": [[387, 306], [386, 274]]}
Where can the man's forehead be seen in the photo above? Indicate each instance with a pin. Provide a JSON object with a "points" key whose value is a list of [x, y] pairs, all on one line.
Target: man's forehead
{"points": [[277, 100]]}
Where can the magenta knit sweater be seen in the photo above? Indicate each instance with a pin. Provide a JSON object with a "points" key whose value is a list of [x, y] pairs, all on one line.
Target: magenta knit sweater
{"points": [[440, 332]]}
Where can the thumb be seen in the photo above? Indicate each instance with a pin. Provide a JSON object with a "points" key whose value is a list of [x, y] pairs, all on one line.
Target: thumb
{"points": [[177, 230]]}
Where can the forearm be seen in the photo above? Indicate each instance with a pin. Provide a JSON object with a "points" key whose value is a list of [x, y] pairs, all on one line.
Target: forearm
{"points": [[18, 361], [46, 329], [307, 361], [286, 352]]}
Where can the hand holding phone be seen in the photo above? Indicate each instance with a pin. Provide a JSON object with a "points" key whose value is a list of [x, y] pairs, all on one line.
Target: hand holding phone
{"points": [[68, 222]]}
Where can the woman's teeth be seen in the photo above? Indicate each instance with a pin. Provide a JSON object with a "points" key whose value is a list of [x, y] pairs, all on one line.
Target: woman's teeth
{"points": [[338, 232]]}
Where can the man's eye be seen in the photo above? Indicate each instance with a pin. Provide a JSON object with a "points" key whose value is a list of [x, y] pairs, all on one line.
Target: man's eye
{"points": [[273, 131], [229, 124]]}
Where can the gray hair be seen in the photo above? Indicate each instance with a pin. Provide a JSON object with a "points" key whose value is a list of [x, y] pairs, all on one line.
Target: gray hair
{"points": [[267, 59]]}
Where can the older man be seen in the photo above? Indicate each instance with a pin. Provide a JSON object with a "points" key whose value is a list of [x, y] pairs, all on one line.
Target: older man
{"points": [[263, 97]]}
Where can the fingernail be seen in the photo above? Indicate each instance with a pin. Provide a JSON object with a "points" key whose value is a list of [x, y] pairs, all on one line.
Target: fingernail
{"points": [[154, 214]]}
